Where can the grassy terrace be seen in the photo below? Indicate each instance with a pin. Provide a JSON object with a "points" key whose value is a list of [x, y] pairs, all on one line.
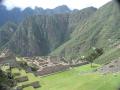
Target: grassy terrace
{"points": [[31, 78], [79, 78], [29, 88]]}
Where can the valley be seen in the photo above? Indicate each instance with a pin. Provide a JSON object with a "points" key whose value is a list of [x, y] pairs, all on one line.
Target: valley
{"points": [[60, 48]]}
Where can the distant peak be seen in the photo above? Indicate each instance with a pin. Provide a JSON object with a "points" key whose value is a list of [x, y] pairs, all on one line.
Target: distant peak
{"points": [[39, 8], [91, 8], [63, 7]]}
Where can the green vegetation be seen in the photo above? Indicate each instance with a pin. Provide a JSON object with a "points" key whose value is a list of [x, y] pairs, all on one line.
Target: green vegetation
{"points": [[31, 78], [6, 32], [110, 55], [80, 78], [29, 88], [6, 80], [69, 35], [41, 34], [102, 30], [97, 52]]}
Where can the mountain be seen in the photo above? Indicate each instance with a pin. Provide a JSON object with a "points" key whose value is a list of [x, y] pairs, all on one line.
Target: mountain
{"points": [[16, 15], [102, 30], [41, 34], [9, 16], [70, 35], [38, 35], [6, 32], [61, 9]]}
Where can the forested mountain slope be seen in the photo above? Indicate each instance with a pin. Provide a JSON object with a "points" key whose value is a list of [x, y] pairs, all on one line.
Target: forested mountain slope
{"points": [[41, 34], [102, 30]]}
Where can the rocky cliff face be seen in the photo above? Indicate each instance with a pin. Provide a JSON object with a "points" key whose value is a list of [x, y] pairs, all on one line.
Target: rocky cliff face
{"points": [[17, 15], [6, 32], [41, 34]]}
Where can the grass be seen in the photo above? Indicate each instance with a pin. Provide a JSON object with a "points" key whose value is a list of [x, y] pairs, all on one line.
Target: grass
{"points": [[29, 88], [79, 78], [31, 78]]}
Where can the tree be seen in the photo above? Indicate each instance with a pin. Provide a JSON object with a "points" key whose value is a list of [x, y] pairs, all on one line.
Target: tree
{"points": [[99, 51], [90, 58], [95, 54]]}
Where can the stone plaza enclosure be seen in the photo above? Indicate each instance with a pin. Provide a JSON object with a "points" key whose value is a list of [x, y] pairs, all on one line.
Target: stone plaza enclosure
{"points": [[51, 64]]}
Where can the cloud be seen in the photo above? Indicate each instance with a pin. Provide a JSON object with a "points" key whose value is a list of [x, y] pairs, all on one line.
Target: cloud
{"points": [[78, 4]]}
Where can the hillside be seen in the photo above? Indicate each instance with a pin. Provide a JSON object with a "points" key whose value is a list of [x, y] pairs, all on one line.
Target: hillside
{"points": [[6, 32], [38, 35], [41, 34], [70, 35], [60, 49], [100, 31]]}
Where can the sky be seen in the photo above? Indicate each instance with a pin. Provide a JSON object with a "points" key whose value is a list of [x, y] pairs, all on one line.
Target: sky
{"points": [[73, 4]]}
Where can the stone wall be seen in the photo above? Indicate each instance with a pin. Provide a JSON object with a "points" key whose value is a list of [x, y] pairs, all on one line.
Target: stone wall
{"points": [[53, 69], [22, 79], [34, 85], [7, 60], [51, 64], [79, 64]]}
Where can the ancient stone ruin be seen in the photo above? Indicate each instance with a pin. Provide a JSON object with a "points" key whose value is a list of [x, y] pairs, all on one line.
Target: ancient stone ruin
{"points": [[47, 65], [34, 85], [51, 64]]}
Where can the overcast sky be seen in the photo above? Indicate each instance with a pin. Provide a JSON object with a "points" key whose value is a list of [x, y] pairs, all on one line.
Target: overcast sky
{"points": [[73, 4]]}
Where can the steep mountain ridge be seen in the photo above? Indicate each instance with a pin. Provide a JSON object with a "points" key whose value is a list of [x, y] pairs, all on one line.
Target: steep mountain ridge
{"points": [[70, 35], [17, 15], [6, 32], [101, 31], [37, 34], [41, 34]]}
